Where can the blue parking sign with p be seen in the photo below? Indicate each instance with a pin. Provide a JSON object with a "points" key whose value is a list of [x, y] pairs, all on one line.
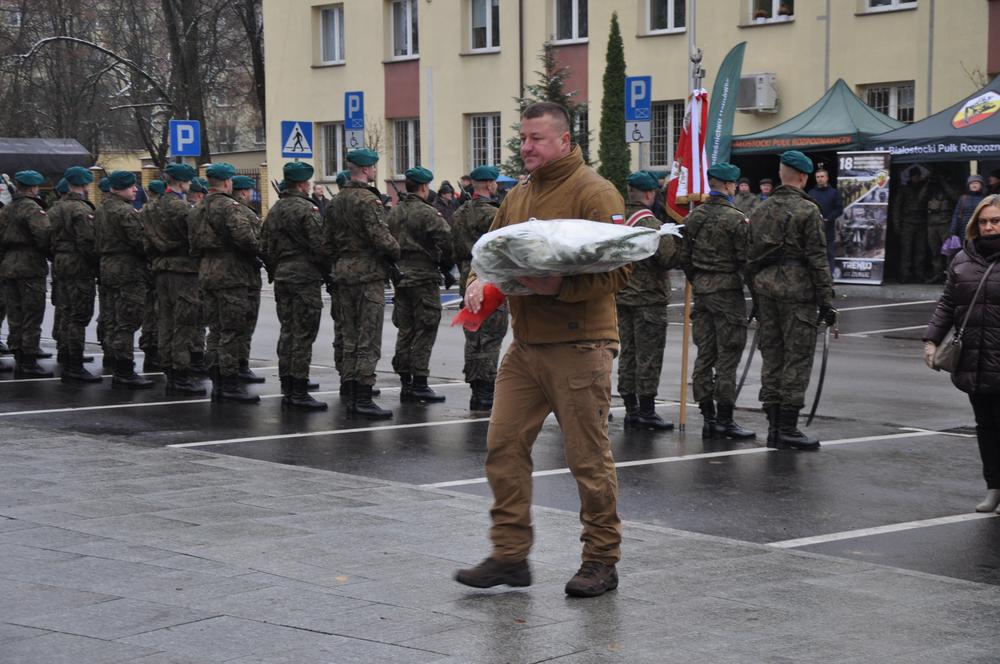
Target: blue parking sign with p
{"points": [[354, 110], [185, 138], [638, 98]]}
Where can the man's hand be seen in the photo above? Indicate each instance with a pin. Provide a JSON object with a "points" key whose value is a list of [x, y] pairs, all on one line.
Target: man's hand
{"points": [[542, 285], [828, 315], [929, 349], [474, 295]]}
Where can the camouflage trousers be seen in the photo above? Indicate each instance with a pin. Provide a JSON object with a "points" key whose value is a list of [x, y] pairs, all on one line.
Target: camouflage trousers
{"points": [[360, 315], [103, 319], [719, 329], [300, 308], [25, 311], [124, 307], [912, 251], [338, 340], [936, 235], [149, 335], [178, 309], [253, 311], [787, 345], [75, 310], [416, 313], [55, 297], [643, 333], [226, 309], [482, 347]]}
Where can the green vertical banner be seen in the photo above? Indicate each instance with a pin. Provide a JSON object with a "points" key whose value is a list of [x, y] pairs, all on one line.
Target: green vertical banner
{"points": [[722, 106]]}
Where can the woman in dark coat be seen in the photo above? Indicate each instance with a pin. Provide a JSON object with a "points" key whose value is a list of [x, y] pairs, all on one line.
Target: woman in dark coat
{"points": [[978, 372]]}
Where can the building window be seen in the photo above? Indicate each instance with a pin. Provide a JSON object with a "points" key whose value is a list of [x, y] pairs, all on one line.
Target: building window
{"points": [[405, 42], [485, 24], [764, 11], [893, 99], [405, 145], [332, 35], [484, 140], [889, 5], [258, 135], [571, 19], [668, 121], [666, 15], [334, 151]]}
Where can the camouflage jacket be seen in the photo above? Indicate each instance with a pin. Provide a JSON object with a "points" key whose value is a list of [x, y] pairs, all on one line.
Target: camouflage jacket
{"points": [[255, 281], [909, 203], [650, 281], [120, 243], [745, 201], [293, 242], [222, 234], [167, 235], [469, 223], [356, 232], [714, 252], [787, 249], [24, 239], [73, 242], [424, 239]]}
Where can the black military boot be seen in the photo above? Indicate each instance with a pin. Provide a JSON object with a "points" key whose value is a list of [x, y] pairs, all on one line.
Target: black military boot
{"points": [[246, 375], [347, 389], [476, 402], [707, 408], [406, 387], [424, 394], [300, 399], [61, 357], [646, 417], [788, 431], [726, 428], [364, 406], [151, 362], [286, 389], [27, 367], [233, 390], [631, 409], [198, 367], [181, 382], [772, 410], [492, 572], [312, 386], [73, 371], [126, 378], [108, 362], [213, 375]]}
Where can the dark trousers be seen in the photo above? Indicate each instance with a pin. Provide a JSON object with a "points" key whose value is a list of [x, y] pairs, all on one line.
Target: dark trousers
{"points": [[987, 410]]}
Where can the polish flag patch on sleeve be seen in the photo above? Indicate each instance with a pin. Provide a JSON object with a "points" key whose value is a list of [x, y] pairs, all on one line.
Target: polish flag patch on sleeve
{"points": [[617, 219]]}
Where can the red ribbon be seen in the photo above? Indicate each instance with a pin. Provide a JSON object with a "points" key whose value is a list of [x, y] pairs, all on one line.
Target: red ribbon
{"points": [[492, 299]]}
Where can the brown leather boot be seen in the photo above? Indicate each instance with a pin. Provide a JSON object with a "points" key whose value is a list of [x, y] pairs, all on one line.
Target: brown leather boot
{"points": [[592, 579], [492, 572]]}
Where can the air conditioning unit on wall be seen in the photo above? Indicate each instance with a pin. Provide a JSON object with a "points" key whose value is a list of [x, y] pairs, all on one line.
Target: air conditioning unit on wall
{"points": [[758, 94]]}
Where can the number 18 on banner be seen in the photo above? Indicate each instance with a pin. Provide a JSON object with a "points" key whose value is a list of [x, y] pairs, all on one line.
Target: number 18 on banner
{"points": [[638, 109]]}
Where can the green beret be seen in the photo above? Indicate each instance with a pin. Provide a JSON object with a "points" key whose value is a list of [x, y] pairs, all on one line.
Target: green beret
{"points": [[78, 176], [243, 182], [342, 178], [29, 178], [298, 171], [484, 173], [798, 161], [282, 187], [642, 181], [158, 187], [724, 171], [105, 184], [419, 174], [62, 187], [221, 171], [363, 157], [121, 180], [180, 172], [199, 185]]}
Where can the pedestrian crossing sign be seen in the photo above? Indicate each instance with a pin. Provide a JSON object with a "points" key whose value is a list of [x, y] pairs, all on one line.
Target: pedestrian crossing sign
{"points": [[296, 139]]}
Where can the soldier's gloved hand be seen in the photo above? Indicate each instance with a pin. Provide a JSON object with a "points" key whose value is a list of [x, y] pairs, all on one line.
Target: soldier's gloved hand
{"points": [[929, 349], [828, 315]]}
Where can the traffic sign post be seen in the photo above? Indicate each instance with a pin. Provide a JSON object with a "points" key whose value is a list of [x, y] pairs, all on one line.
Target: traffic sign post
{"points": [[638, 109], [354, 120], [185, 138], [296, 139]]}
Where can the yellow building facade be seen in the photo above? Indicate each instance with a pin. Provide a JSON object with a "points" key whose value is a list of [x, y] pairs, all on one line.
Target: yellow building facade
{"points": [[440, 77]]}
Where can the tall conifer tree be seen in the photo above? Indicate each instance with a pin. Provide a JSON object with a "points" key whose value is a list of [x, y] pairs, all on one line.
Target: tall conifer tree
{"points": [[613, 152]]}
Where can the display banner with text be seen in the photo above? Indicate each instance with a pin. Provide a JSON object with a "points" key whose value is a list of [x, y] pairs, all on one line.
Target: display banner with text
{"points": [[860, 232]]}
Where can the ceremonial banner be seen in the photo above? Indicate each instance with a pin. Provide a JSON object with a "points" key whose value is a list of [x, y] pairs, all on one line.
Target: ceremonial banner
{"points": [[689, 174], [860, 232], [722, 108]]}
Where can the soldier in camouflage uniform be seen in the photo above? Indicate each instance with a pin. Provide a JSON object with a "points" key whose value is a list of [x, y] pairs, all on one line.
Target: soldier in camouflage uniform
{"points": [[175, 274], [910, 217], [103, 301], [195, 195], [744, 200], [223, 234], [295, 249], [243, 188], [642, 313], [714, 258], [424, 239], [74, 268], [60, 191], [941, 199], [791, 279], [24, 246], [482, 347], [149, 336], [363, 250], [124, 276]]}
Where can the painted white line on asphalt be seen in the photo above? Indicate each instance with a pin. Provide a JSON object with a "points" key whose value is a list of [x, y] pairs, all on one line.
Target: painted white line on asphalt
{"points": [[880, 530], [884, 306], [888, 329]]}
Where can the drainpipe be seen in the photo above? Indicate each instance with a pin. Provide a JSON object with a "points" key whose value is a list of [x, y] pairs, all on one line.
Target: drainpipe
{"points": [[520, 48], [930, 57]]}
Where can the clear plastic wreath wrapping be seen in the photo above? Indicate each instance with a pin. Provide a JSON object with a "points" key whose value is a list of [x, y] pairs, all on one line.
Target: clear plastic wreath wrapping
{"points": [[551, 247]]}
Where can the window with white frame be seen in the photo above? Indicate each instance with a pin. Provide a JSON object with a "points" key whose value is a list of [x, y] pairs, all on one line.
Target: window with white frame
{"points": [[764, 11], [668, 121], [893, 99], [405, 42], [485, 25], [889, 5], [334, 150], [405, 145], [484, 140], [666, 15], [571, 19], [332, 34]]}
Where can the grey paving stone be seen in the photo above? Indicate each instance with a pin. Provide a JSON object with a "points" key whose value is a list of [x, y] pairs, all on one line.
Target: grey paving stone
{"points": [[229, 532], [116, 618], [16, 632], [136, 526], [220, 512], [70, 649], [8, 523], [200, 496], [347, 651], [392, 624], [304, 504], [118, 550], [492, 643], [22, 600], [164, 658], [284, 605], [34, 554]]}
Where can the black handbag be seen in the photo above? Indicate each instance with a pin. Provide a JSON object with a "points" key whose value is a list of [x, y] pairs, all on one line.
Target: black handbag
{"points": [[949, 352]]}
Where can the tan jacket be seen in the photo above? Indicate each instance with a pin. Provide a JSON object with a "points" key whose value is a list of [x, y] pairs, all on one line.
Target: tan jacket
{"points": [[584, 308]]}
